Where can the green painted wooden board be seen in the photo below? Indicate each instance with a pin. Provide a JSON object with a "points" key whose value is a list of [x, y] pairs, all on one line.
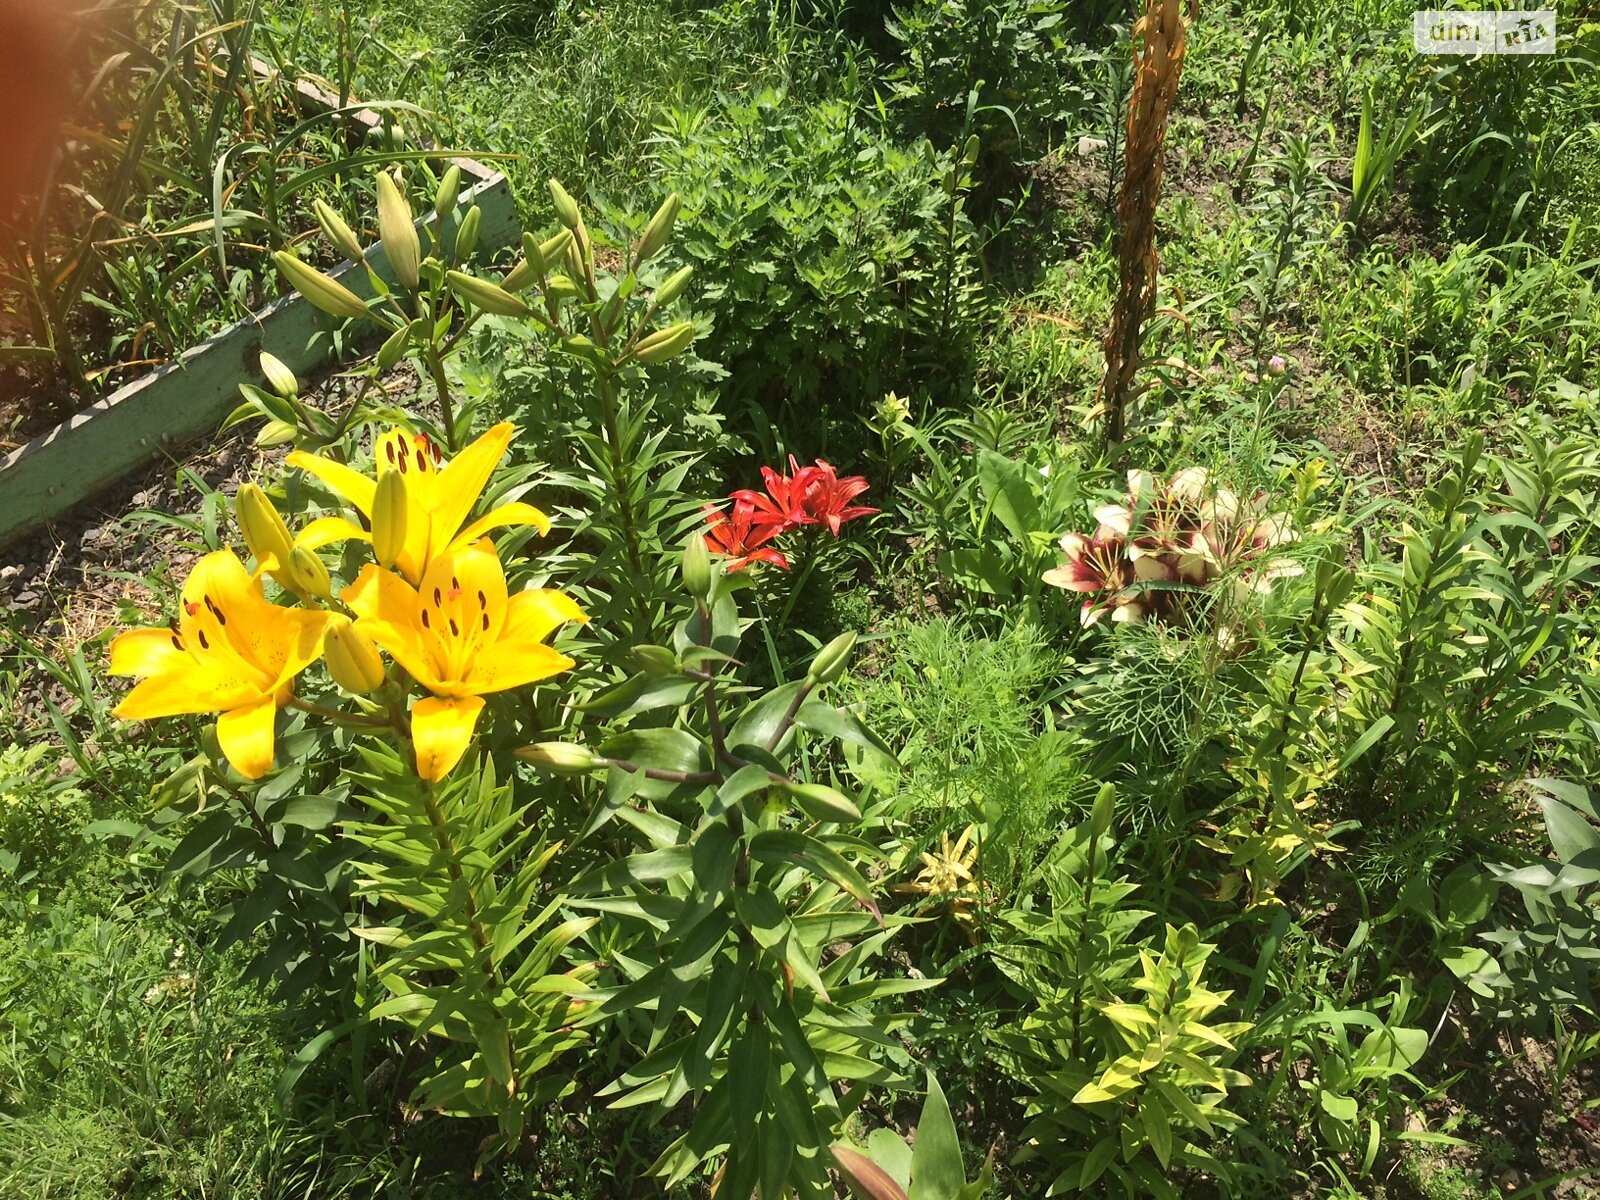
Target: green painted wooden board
{"points": [[189, 398]]}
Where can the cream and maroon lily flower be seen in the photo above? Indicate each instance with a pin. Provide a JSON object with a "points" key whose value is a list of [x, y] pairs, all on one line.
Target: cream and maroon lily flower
{"points": [[439, 496], [1100, 567], [460, 636], [229, 651]]}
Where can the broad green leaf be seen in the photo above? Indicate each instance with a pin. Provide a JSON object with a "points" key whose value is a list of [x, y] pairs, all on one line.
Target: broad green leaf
{"points": [[936, 1170]]}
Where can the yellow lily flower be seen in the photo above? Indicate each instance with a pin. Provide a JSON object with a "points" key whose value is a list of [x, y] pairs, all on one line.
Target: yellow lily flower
{"points": [[438, 496], [460, 636], [229, 651]]}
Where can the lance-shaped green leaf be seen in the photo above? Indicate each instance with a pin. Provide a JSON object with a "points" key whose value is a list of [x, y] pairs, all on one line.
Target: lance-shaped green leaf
{"points": [[780, 846]]}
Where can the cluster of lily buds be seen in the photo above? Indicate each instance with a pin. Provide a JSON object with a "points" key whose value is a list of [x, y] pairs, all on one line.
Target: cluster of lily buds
{"points": [[813, 495], [1166, 542]]}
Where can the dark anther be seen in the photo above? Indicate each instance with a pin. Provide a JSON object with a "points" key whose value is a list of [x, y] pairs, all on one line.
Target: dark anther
{"points": [[390, 449], [486, 622], [437, 598], [425, 624], [176, 644], [204, 645], [483, 601], [455, 630]]}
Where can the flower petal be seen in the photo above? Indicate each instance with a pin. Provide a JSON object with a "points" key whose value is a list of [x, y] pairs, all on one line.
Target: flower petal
{"points": [[324, 531], [349, 483], [441, 731], [502, 517], [515, 663], [246, 736], [463, 479], [146, 652]]}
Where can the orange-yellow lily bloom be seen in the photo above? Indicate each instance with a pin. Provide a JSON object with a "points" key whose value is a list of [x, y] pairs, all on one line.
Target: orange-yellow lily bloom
{"points": [[438, 496], [460, 636], [229, 651]]}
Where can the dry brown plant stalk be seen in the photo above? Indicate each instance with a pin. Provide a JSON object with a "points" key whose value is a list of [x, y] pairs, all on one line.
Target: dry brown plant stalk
{"points": [[1160, 39]]}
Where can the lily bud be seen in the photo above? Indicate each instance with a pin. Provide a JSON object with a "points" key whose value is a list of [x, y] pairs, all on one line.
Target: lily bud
{"points": [[697, 567], [823, 803], [467, 235], [524, 275], [566, 207], [309, 574], [672, 287], [830, 661], [562, 758], [659, 232], [398, 229], [444, 200], [656, 660], [1104, 807], [353, 661], [277, 433], [665, 343], [552, 249], [394, 348], [389, 515], [279, 377], [336, 231], [328, 294], [264, 530], [560, 287], [485, 295]]}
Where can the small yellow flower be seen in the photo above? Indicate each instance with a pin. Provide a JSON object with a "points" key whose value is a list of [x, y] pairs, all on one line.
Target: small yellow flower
{"points": [[438, 497], [461, 636], [229, 651]]}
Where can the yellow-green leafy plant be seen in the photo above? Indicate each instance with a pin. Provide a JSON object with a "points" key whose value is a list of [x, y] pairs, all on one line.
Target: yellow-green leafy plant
{"points": [[1122, 1061]]}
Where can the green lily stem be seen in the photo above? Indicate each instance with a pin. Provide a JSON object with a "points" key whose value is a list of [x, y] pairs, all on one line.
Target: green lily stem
{"points": [[435, 364], [621, 485], [812, 553], [1091, 873]]}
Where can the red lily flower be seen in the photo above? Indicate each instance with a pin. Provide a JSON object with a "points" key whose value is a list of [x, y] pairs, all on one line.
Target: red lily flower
{"points": [[784, 506], [827, 500], [739, 536]]}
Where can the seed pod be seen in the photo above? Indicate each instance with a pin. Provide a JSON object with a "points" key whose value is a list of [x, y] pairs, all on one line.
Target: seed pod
{"points": [[659, 232], [665, 343], [467, 235], [277, 433], [1104, 808], [672, 287], [353, 661], [309, 574], [562, 758], [336, 231], [823, 803], [394, 348], [264, 530], [398, 229], [485, 295], [830, 661], [566, 207], [444, 200], [389, 516], [331, 296], [697, 567], [279, 377], [656, 660]]}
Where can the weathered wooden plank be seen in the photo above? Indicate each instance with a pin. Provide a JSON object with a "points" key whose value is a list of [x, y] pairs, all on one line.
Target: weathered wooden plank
{"points": [[187, 399]]}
